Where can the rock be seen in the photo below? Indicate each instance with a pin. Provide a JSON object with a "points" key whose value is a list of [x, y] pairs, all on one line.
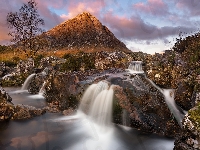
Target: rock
{"points": [[25, 66], [190, 135], [61, 88], [145, 104], [2, 69], [183, 95], [6, 107], [134, 94], [26, 112]]}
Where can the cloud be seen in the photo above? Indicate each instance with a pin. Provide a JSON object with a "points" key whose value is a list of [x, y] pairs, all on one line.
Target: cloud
{"points": [[124, 24], [134, 28], [192, 6], [74, 8], [51, 19], [153, 7]]}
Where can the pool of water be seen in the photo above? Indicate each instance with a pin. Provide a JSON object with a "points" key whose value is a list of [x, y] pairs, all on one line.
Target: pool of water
{"points": [[53, 131]]}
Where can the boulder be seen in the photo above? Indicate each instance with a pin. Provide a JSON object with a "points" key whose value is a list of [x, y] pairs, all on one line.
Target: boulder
{"points": [[6, 107], [26, 112], [145, 105]]}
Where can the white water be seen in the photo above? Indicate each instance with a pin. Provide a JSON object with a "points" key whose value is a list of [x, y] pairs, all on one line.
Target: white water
{"points": [[169, 99], [41, 92], [135, 67], [27, 81], [90, 95], [101, 109], [96, 106], [53, 131]]}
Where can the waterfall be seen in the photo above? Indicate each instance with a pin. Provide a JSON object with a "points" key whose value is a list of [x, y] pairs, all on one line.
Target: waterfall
{"points": [[101, 109], [169, 99], [97, 103], [90, 95], [42, 88], [27, 81], [135, 67]]}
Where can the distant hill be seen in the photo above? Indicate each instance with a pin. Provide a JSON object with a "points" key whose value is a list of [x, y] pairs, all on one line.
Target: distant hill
{"points": [[84, 32]]}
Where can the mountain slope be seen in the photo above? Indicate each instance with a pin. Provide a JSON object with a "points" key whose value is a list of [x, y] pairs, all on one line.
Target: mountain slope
{"points": [[83, 32]]}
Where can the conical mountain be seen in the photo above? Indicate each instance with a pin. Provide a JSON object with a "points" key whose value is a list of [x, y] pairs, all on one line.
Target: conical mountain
{"points": [[84, 32]]}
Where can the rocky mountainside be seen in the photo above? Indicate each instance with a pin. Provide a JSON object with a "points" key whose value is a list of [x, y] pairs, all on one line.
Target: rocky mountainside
{"points": [[84, 32]]}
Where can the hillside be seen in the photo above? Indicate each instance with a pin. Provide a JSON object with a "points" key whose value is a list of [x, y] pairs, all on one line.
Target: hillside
{"points": [[84, 32]]}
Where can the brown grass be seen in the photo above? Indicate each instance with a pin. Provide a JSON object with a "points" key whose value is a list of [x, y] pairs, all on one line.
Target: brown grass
{"points": [[59, 53]]}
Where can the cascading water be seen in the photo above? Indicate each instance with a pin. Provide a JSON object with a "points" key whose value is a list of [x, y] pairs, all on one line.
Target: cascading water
{"points": [[90, 95], [41, 92], [169, 99], [101, 110], [97, 104], [135, 67], [28, 81]]}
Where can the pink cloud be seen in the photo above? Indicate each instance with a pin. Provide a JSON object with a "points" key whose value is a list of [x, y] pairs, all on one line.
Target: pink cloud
{"points": [[153, 7], [74, 8], [134, 28]]}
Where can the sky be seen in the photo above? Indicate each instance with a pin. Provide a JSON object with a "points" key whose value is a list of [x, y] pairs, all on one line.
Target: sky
{"points": [[143, 25]]}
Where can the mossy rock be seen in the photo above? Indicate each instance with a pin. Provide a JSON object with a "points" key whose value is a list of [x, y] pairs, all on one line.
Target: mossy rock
{"points": [[194, 116]]}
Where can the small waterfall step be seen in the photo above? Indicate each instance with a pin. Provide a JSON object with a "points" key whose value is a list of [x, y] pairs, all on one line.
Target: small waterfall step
{"points": [[28, 81], [97, 103], [135, 67]]}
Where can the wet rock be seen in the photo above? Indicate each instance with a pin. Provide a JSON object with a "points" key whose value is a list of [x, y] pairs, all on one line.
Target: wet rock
{"points": [[6, 107], [145, 104], [22, 112]]}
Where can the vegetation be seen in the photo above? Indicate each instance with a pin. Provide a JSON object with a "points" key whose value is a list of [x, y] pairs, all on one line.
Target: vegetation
{"points": [[80, 61], [17, 80], [25, 28], [194, 115], [182, 44]]}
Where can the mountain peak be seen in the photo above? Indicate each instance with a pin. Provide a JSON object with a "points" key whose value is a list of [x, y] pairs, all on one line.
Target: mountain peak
{"points": [[85, 13], [83, 32]]}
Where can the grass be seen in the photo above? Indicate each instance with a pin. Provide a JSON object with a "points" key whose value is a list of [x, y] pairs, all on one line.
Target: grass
{"points": [[13, 54]]}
